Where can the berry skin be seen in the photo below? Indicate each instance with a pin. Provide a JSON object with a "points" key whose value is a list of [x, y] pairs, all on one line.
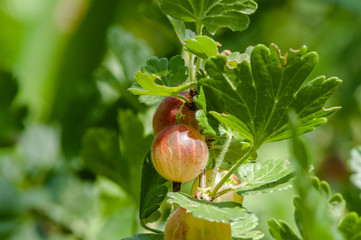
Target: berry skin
{"points": [[179, 153], [184, 226], [165, 115], [232, 181]]}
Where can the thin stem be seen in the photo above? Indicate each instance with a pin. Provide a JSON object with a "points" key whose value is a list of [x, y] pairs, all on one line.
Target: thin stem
{"points": [[179, 114], [233, 168], [224, 192], [191, 68], [220, 158], [202, 179], [149, 228]]}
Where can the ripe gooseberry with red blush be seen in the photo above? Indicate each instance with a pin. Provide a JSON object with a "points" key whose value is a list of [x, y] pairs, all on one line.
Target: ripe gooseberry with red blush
{"points": [[184, 226], [165, 115], [179, 153]]}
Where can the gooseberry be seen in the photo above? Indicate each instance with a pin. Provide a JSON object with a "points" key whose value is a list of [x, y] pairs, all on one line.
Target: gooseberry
{"points": [[165, 115], [184, 226], [179, 153]]}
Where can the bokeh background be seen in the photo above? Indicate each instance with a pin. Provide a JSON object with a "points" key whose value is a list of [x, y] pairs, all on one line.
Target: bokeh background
{"points": [[65, 66]]}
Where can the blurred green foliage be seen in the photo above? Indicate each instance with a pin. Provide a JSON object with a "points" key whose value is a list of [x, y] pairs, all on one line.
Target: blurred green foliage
{"points": [[65, 66]]}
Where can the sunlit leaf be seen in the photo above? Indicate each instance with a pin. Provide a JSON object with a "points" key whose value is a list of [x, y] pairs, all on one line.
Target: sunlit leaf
{"points": [[150, 87], [267, 176], [211, 211], [351, 226], [259, 94], [245, 228], [202, 46]]}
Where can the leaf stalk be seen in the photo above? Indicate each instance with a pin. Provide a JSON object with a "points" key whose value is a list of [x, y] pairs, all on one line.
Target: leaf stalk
{"points": [[220, 158]]}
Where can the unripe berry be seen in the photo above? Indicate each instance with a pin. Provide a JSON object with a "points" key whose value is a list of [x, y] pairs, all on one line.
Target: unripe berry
{"points": [[179, 153], [184, 226], [165, 115], [232, 181]]}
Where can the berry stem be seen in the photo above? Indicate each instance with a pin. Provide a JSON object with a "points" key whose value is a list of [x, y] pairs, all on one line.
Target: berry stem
{"points": [[251, 151], [202, 179], [220, 159], [177, 186], [179, 114]]}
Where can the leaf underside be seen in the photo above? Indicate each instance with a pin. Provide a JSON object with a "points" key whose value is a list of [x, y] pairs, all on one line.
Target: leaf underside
{"points": [[258, 94], [213, 14]]}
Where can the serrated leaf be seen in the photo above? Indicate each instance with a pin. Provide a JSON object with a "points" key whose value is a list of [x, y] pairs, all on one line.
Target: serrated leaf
{"points": [[355, 165], [268, 176], [170, 73], [213, 14], [280, 230], [202, 46], [146, 236], [244, 229], [236, 58], [202, 119], [149, 87], [260, 93], [215, 212], [351, 226], [153, 189], [181, 30]]}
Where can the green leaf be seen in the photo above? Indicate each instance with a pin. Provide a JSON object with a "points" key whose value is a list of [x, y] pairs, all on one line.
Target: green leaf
{"points": [[259, 94], [317, 216], [233, 123], [118, 157], [146, 236], [134, 145], [202, 119], [215, 212], [149, 87], [351, 226], [207, 122], [244, 228], [355, 165], [170, 74], [153, 189], [236, 58], [213, 14], [263, 177], [202, 46], [280, 230], [129, 51], [181, 30], [102, 155], [236, 150]]}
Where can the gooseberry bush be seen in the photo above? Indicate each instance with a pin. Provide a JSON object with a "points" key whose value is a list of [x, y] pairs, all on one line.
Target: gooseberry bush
{"points": [[216, 111]]}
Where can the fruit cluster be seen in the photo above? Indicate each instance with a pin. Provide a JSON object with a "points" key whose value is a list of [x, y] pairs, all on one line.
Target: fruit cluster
{"points": [[180, 154], [179, 151]]}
